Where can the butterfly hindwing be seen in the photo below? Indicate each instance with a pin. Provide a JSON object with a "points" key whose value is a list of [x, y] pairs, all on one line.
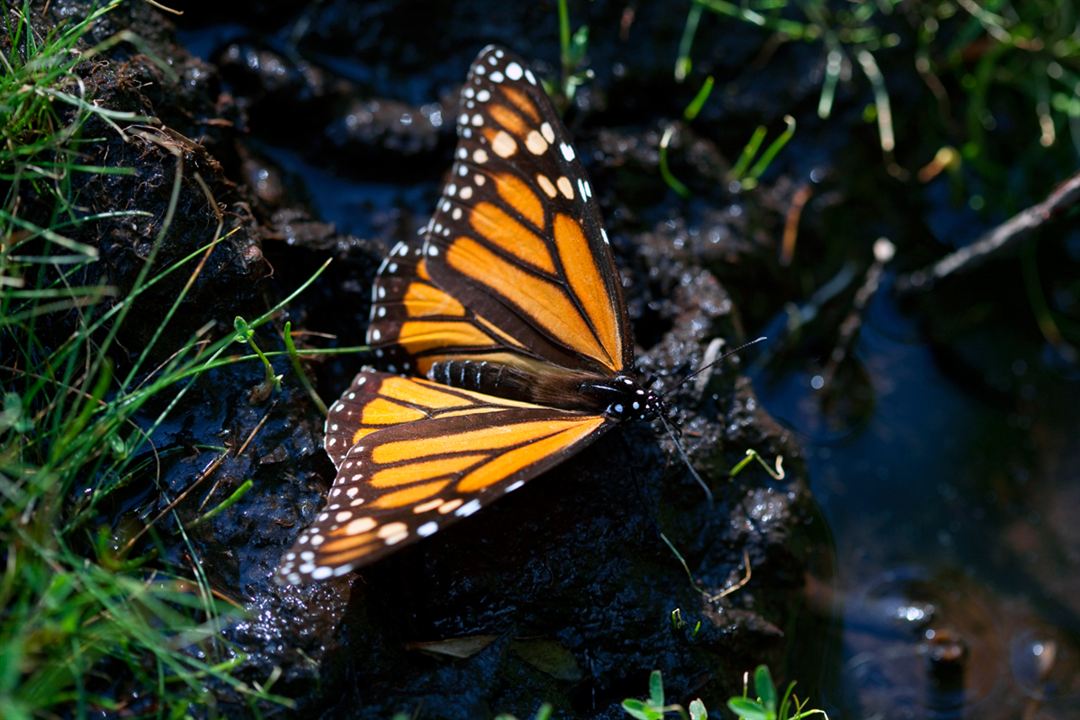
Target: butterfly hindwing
{"points": [[421, 456], [516, 241]]}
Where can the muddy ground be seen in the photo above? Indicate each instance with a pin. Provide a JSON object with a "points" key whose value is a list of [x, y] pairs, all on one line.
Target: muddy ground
{"points": [[325, 132]]}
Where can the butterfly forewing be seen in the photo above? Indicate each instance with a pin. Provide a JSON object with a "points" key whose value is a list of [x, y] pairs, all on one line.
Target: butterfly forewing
{"points": [[421, 456], [516, 239]]}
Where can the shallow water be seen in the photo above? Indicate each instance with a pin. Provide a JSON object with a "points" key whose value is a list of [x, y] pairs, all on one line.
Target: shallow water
{"points": [[949, 516]]}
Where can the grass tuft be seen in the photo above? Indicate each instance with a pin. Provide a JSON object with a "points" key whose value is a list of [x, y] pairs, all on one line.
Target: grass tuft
{"points": [[86, 616], [654, 707], [767, 704], [572, 50], [982, 58]]}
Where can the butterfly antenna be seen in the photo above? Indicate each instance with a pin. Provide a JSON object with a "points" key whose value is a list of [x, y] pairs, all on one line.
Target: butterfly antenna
{"points": [[685, 457], [671, 431], [708, 365]]}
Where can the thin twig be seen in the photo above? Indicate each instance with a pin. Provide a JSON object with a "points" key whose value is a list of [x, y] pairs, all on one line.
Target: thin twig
{"points": [[999, 239], [791, 222], [740, 584], [207, 472], [251, 436], [884, 250]]}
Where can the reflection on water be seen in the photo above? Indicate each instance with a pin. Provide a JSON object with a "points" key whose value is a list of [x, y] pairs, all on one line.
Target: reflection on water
{"points": [[953, 589]]}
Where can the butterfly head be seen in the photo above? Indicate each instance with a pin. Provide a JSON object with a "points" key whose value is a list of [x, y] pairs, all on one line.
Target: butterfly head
{"points": [[632, 401]]}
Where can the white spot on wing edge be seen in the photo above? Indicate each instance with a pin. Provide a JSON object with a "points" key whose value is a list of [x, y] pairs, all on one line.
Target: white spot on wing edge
{"points": [[468, 508], [395, 539]]}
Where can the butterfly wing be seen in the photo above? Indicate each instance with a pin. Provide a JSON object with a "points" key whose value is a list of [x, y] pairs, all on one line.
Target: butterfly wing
{"points": [[420, 456], [415, 323], [514, 265]]}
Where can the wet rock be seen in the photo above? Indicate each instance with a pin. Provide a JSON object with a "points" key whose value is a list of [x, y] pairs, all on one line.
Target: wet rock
{"points": [[266, 80], [973, 651], [385, 133], [265, 181], [261, 74], [332, 118]]}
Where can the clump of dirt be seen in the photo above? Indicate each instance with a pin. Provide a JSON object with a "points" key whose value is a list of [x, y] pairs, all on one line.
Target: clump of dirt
{"points": [[326, 135], [167, 194]]}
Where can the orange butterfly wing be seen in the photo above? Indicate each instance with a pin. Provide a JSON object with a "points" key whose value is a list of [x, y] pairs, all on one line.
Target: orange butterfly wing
{"points": [[420, 456], [514, 266]]}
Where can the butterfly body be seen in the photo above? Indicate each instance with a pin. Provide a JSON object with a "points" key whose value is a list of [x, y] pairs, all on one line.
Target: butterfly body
{"points": [[502, 330], [619, 397]]}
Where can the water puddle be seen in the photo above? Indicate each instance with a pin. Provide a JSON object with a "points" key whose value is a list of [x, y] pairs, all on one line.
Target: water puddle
{"points": [[950, 590]]}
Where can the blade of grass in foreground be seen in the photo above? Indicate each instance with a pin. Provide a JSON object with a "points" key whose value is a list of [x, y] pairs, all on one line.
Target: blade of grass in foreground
{"points": [[84, 624]]}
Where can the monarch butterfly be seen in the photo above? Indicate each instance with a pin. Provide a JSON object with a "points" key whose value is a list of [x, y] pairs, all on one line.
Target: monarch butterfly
{"points": [[503, 331]]}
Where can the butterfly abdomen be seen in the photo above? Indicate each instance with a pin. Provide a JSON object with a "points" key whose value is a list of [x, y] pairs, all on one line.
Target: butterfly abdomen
{"points": [[540, 383], [482, 376], [619, 397]]}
